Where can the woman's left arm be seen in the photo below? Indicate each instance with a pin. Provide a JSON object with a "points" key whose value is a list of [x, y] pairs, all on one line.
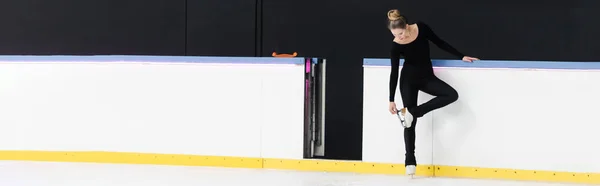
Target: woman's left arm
{"points": [[427, 31]]}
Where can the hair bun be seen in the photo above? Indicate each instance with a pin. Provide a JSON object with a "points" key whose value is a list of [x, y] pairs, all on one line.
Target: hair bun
{"points": [[394, 15]]}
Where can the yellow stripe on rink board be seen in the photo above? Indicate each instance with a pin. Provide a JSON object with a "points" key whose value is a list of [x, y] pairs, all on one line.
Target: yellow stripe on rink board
{"points": [[343, 166], [132, 158], [301, 165], [513, 174]]}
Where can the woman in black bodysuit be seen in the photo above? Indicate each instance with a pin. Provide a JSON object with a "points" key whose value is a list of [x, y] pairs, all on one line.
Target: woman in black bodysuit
{"points": [[412, 43]]}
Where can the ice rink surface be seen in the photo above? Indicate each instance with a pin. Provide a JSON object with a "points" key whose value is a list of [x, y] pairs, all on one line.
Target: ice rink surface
{"points": [[17, 173]]}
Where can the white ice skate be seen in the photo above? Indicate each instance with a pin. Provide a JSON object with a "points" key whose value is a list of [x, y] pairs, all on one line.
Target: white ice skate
{"points": [[411, 170], [405, 117]]}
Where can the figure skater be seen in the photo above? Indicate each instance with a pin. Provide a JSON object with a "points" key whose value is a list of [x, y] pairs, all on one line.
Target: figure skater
{"points": [[411, 41]]}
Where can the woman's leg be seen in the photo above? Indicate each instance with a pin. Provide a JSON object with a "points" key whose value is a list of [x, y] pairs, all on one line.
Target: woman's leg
{"points": [[409, 92], [444, 95]]}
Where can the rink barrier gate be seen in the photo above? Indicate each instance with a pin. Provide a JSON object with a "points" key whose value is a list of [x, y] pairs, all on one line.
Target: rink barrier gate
{"points": [[271, 160]]}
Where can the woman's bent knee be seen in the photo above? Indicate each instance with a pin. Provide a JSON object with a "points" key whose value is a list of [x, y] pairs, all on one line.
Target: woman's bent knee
{"points": [[453, 96]]}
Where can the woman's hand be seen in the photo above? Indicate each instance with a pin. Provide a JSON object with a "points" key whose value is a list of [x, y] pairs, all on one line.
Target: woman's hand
{"points": [[469, 59], [393, 108]]}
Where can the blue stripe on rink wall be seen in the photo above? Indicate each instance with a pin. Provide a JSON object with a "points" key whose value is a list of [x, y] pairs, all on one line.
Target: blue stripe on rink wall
{"points": [[157, 59], [497, 64]]}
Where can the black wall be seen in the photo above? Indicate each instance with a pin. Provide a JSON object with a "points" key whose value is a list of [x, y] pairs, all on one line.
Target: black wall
{"points": [[221, 28], [85, 27], [344, 32], [510, 29]]}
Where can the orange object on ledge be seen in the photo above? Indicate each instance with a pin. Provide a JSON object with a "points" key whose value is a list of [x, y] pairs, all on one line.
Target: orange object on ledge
{"points": [[285, 55]]}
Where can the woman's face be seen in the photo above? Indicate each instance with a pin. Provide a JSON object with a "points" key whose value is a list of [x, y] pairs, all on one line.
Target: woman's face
{"points": [[399, 33]]}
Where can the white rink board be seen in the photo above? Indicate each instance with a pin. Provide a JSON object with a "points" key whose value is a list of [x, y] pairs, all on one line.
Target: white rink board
{"points": [[243, 110], [514, 118], [523, 119]]}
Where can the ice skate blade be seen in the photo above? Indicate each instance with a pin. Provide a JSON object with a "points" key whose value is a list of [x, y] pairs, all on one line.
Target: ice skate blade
{"points": [[402, 121]]}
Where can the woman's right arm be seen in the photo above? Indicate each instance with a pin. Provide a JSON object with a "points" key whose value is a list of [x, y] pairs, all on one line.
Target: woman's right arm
{"points": [[395, 54]]}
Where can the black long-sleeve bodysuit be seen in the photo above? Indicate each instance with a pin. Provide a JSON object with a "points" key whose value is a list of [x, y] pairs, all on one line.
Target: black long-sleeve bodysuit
{"points": [[417, 74]]}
